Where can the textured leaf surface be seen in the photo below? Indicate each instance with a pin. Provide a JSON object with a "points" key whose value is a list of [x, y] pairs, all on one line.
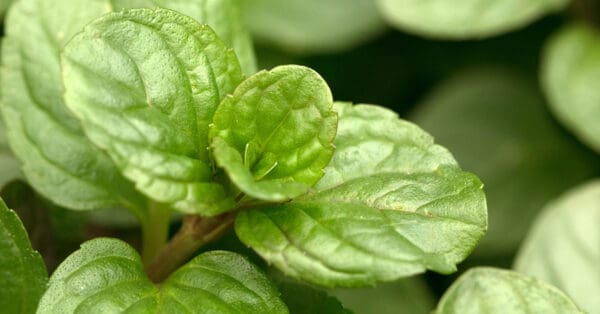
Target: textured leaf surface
{"points": [[145, 84], [22, 271], [563, 247], [313, 26], [496, 124], [58, 161], [460, 19], [274, 135], [570, 76], [380, 224], [223, 16], [490, 290], [107, 276]]}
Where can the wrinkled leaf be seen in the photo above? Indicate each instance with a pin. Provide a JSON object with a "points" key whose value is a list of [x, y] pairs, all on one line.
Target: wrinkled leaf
{"points": [[378, 224], [491, 290], [145, 84], [497, 126], [223, 16], [463, 19], [406, 296], [57, 160], [563, 247], [570, 75], [313, 26], [107, 276], [22, 271], [274, 135]]}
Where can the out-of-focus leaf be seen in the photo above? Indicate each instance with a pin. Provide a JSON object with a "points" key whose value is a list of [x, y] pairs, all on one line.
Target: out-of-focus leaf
{"points": [[4, 5], [312, 26], [301, 298], [274, 135], [464, 19], [57, 159], [496, 125], [223, 16], [22, 271], [563, 247], [145, 84], [496, 291], [570, 76], [107, 276], [406, 296], [394, 204]]}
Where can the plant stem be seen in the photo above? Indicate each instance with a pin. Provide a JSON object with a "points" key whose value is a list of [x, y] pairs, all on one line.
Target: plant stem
{"points": [[195, 232], [155, 231]]}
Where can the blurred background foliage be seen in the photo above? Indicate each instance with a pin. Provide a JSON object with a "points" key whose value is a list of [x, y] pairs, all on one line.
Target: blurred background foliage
{"points": [[477, 92]]}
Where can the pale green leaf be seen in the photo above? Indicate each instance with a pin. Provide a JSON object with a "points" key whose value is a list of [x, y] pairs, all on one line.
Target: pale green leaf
{"points": [[381, 223], [22, 271], [223, 16], [496, 124], [145, 84], [57, 160], [405, 296], [465, 19], [563, 247], [313, 26], [107, 276], [491, 290], [274, 135], [4, 5], [570, 76]]}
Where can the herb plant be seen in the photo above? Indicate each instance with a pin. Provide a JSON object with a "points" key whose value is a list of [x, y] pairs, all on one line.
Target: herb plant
{"points": [[254, 191]]}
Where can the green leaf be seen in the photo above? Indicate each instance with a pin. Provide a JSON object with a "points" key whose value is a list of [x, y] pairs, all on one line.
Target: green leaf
{"points": [[145, 84], [22, 271], [570, 75], [406, 296], [496, 124], [223, 16], [465, 19], [274, 135], [313, 26], [378, 224], [4, 5], [491, 290], [107, 276], [304, 299], [9, 166], [563, 247], [58, 161]]}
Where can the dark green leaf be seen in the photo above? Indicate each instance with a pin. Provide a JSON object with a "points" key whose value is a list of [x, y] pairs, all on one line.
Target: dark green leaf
{"points": [[304, 299], [58, 161], [461, 19], [313, 26], [379, 223], [107, 276], [563, 247], [22, 271], [274, 135], [491, 290], [145, 84], [223, 16], [496, 124], [570, 76]]}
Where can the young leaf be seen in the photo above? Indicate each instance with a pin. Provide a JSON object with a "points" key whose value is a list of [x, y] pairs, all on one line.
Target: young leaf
{"points": [[506, 136], [58, 161], [313, 26], [22, 271], [570, 74], [381, 223], [145, 84], [465, 19], [107, 276], [491, 290], [274, 135], [563, 247], [223, 16]]}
